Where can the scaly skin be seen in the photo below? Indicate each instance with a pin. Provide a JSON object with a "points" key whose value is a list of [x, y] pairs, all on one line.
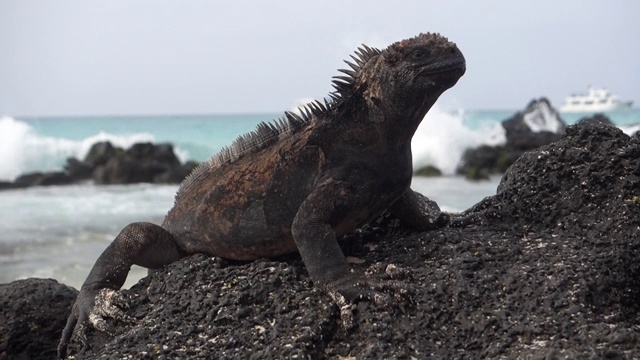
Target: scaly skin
{"points": [[299, 184]]}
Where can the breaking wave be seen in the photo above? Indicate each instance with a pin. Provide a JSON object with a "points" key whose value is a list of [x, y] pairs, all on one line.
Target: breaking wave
{"points": [[442, 138], [23, 150]]}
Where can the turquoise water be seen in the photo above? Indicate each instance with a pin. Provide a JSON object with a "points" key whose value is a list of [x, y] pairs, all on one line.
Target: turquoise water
{"points": [[198, 135]]}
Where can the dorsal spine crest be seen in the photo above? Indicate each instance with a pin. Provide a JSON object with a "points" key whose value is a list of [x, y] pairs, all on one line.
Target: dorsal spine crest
{"points": [[266, 134]]}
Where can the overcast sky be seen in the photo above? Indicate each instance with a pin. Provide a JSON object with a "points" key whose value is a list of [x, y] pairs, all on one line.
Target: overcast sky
{"points": [[88, 57]]}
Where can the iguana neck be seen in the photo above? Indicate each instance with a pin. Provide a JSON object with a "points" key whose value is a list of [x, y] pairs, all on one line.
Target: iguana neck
{"points": [[410, 120], [387, 135]]}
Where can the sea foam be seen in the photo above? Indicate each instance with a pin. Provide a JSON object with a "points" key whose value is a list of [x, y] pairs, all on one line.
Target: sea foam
{"points": [[630, 129], [543, 117], [442, 138], [23, 150]]}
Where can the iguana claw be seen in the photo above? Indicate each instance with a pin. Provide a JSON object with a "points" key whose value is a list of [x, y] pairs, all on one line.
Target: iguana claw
{"points": [[108, 303], [354, 288], [92, 307]]}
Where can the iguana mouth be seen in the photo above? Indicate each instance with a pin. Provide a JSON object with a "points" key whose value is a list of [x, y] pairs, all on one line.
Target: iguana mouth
{"points": [[457, 64]]}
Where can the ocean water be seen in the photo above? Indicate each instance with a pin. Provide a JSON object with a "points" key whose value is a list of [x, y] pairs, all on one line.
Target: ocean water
{"points": [[58, 232]]}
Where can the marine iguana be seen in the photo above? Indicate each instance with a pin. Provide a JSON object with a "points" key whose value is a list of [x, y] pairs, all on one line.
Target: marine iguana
{"points": [[297, 184]]}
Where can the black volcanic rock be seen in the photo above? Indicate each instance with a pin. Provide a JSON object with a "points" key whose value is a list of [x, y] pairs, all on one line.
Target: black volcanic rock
{"points": [[598, 118], [593, 172], [553, 272], [32, 317]]}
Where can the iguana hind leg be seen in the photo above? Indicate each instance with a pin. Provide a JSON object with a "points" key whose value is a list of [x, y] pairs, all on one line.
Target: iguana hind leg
{"points": [[142, 244], [418, 212]]}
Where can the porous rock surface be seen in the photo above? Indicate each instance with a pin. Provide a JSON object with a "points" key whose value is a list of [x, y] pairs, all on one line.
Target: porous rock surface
{"points": [[31, 317], [553, 272]]}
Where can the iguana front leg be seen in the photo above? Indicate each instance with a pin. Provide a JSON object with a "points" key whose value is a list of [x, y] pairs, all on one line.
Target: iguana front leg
{"points": [[142, 244], [332, 206]]}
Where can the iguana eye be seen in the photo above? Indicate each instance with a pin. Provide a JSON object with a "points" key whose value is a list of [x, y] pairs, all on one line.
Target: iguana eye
{"points": [[418, 54]]}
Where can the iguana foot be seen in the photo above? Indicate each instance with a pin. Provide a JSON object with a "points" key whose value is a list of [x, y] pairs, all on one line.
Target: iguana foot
{"points": [[92, 307], [108, 304], [349, 290]]}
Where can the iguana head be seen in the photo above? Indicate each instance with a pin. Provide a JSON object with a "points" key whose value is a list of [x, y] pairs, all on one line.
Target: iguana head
{"points": [[427, 61], [405, 79]]}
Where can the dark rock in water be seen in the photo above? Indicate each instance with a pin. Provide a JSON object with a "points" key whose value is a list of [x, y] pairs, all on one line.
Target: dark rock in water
{"points": [[161, 154], [32, 316], [477, 174], [4, 185], [142, 162], [524, 132], [175, 174], [121, 170], [553, 272], [539, 124], [485, 160], [100, 153], [428, 170], [106, 164], [78, 170], [43, 179]]}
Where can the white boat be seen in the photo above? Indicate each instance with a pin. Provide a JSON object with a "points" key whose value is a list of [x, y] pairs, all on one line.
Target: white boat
{"points": [[595, 100]]}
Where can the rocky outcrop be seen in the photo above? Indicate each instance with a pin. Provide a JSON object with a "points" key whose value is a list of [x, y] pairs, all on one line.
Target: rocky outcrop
{"points": [[598, 118], [32, 317], [428, 170], [106, 164], [587, 183], [538, 124], [143, 162], [43, 179], [551, 273]]}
